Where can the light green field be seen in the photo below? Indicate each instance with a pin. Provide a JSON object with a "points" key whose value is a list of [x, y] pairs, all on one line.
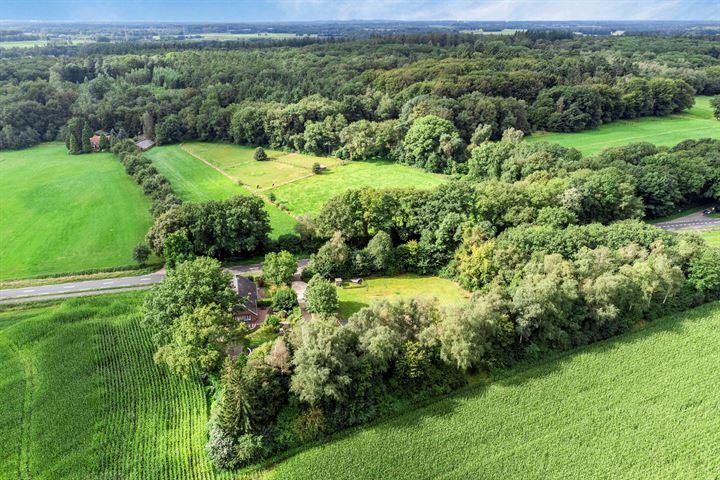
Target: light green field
{"points": [[82, 397], [641, 406], [308, 195], [712, 237], [67, 213], [194, 181], [23, 44], [698, 122], [237, 161], [354, 297]]}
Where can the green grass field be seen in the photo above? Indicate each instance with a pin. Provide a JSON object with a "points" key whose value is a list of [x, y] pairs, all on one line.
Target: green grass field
{"points": [[644, 405], [698, 122], [82, 398], [237, 161], [354, 297], [194, 181], [712, 237], [308, 195], [67, 213], [287, 175], [23, 44]]}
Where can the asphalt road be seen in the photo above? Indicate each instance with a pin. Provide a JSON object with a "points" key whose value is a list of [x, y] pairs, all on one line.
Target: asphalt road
{"points": [[98, 287], [695, 221]]}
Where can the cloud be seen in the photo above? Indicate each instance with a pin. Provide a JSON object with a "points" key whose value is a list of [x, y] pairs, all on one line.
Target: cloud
{"points": [[309, 10]]}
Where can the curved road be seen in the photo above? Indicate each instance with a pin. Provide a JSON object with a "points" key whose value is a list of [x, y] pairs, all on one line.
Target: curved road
{"points": [[97, 287]]}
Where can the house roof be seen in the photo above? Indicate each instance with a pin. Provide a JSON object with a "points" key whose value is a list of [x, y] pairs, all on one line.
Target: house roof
{"points": [[246, 289], [144, 144]]}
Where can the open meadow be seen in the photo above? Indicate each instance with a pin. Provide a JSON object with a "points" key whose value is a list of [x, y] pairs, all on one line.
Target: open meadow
{"points": [[194, 181], [643, 405], [308, 195], [67, 213], [698, 122], [82, 397], [354, 297], [286, 175]]}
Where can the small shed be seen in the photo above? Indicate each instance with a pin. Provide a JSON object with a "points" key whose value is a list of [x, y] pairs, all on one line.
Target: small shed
{"points": [[145, 144], [247, 291], [338, 282]]}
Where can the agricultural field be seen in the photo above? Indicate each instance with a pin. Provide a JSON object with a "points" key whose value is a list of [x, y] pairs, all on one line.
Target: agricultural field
{"points": [[67, 213], [82, 397], [308, 195], [611, 410], [194, 181], [23, 44], [287, 175], [698, 122], [354, 297], [237, 162]]}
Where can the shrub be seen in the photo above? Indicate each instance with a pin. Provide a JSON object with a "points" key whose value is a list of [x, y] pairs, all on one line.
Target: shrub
{"points": [[221, 449], [316, 168], [272, 321], [260, 154], [284, 300], [248, 449], [141, 253]]}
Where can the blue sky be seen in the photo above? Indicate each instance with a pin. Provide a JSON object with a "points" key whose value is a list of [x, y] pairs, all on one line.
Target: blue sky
{"points": [[308, 10]]}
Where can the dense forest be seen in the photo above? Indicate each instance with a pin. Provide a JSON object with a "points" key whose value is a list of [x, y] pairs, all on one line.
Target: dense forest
{"points": [[357, 98]]}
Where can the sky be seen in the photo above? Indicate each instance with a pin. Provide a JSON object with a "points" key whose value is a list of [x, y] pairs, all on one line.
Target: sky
{"points": [[318, 10]]}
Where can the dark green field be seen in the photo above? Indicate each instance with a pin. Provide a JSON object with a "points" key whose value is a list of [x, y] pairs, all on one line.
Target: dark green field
{"points": [[644, 405]]}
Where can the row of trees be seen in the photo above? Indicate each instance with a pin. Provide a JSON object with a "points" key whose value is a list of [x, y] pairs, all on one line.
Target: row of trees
{"points": [[323, 377], [153, 183]]}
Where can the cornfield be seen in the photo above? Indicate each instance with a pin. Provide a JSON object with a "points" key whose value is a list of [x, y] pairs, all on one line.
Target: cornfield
{"points": [[82, 399]]}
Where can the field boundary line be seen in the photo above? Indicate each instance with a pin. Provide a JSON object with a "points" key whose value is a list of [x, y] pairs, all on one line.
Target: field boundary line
{"points": [[238, 182], [286, 183]]}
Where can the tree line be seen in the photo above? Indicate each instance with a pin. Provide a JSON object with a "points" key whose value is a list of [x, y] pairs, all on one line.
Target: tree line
{"points": [[525, 82]]}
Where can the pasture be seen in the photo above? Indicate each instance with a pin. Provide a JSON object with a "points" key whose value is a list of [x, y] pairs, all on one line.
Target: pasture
{"points": [[237, 161], [287, 175], [308, 195], [194, 181], [643, 405], [354, 297], [82, 397], [23, 44], [67, 213], [698, 122]]}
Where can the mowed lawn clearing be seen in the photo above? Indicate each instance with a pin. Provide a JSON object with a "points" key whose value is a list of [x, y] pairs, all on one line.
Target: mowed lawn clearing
{"points": [[712, 237], [82, 397], [698, 122], [67, 213], [644, 405], [194, 181], [353, 297], [238, 162], [308, 195]]}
